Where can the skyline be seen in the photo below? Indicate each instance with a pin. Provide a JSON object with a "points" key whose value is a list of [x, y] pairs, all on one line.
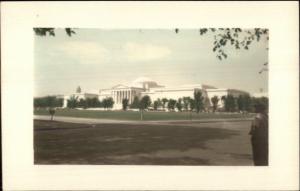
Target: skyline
{"points": [[101, 58]]}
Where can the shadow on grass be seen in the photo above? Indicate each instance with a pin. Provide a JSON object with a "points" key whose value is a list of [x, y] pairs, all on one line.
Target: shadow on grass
{"points": [[70, 143]]}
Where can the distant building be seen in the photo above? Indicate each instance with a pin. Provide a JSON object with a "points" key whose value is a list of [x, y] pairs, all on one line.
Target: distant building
{"points": [[145, 86]]}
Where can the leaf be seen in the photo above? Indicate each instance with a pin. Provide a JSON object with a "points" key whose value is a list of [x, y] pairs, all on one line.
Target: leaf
{"points": [[202, 31]]}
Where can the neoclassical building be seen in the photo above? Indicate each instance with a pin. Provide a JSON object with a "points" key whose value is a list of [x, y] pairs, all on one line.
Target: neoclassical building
{"points": [[145, 86]]}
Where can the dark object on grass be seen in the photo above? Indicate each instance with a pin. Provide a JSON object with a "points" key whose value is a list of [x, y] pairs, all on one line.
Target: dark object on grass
{"points": [[259, 136], [52, 112]]}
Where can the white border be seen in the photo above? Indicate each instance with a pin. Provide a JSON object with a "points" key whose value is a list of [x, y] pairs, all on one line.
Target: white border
{"points": [[17, 21]]}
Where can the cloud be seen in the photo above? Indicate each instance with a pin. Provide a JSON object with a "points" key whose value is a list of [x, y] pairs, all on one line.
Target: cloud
{"points": [[85, 52], [145, 52]]}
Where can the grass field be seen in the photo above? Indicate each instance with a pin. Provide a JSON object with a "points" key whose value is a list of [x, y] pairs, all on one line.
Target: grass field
{"points": [[180, 143], [133, 115]]}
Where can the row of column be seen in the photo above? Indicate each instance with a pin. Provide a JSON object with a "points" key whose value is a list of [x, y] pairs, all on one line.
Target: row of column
{"points": [[119, 95]]}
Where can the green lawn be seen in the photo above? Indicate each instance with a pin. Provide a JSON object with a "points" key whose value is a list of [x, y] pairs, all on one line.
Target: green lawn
{"points": [[135, 144], [134, 115]]}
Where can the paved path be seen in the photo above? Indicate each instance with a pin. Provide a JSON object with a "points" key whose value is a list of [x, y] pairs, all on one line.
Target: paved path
{"points": [[110, 121]]}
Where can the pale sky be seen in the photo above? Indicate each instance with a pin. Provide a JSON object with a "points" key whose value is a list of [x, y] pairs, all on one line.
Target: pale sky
{"points": [[101, 58]]}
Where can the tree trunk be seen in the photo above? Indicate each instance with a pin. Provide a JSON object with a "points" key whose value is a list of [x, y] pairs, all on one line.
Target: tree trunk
{"points": [[141, 115]]}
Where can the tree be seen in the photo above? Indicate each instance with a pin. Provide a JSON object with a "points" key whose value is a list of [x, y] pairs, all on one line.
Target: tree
{"points": [[82, 103], [240, 103], [179, 104], [164, 101], [125, 103], [215, 101], [155, 105], [159, 103], [93, 102], [244, 103], [51, 31], [192, 104], [236, 37], [72, 102], [145, 102], [48, 101], [135, 103], [186, 103], [230, 104], [108, 103], [198, 101], [171, 104], [259, 101], [247, 103]]}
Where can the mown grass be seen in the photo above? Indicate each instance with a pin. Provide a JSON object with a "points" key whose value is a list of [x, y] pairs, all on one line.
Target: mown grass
{"points": [[134, 115], [68, 143]]}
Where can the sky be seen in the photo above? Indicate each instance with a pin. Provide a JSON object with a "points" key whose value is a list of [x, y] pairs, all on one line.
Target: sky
{"points": [[102, 58]]}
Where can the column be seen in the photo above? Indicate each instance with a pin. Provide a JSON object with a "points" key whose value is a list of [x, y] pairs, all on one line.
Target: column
{"points": [[118, 96], [122, 96], [129, 96], [114, 96]]}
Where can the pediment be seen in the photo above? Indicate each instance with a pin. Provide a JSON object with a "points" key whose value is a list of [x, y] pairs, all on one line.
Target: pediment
{"points": [[120, 86]]}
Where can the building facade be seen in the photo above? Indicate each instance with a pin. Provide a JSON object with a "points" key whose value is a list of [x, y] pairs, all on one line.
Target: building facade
{"points": [[145, 86]]}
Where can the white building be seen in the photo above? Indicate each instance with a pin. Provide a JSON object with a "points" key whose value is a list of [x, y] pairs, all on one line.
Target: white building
{"points": [[145, 86]]}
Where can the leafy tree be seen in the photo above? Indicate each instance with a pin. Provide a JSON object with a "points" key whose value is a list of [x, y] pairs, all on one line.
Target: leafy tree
{"points": [[179, 104], [72, 102], [171, 104], [230, 103], [125, 103], [186, 103], [247, 103], [236, 37], [155, 104], [240, 103], [159, 102], [244, 103], [164, 101], [198, 101], [215, 101], [135, 103], [108, 103], [192, 104], [48, 101], [259, 101], [93, 102], [51, 31], [145, 102], [82, 103]]}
